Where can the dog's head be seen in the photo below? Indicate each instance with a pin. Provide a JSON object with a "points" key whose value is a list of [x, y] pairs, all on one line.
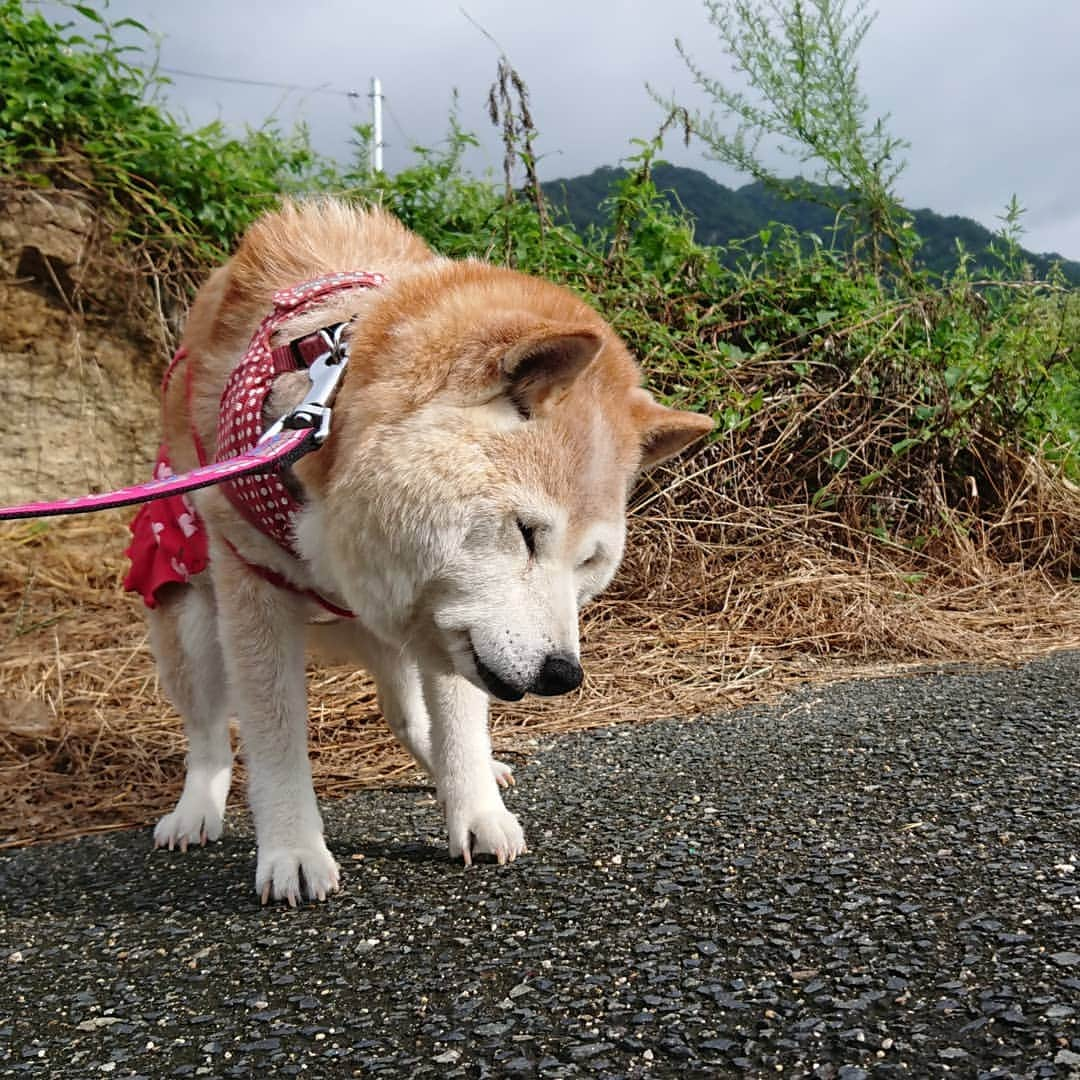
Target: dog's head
{"points": [[472, 495]]}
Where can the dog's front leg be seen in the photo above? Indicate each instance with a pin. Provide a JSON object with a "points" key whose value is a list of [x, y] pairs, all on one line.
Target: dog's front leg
{"points": [[262, 634], [476, 819]]}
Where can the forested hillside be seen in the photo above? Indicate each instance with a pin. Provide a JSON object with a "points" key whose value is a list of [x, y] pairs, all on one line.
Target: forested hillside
{"points": [[722, 214]]}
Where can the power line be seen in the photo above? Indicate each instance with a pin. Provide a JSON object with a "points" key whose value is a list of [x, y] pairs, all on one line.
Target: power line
{"points": [[324, 89], [397, 123], [354, 96]]}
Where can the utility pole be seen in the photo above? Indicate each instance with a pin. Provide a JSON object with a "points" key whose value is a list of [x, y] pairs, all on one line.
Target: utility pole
{"points": [[376, 125]]}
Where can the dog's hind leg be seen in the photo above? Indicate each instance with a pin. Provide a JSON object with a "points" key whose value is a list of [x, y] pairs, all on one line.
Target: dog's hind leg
{"points": [[183, 632], [401, 699]]}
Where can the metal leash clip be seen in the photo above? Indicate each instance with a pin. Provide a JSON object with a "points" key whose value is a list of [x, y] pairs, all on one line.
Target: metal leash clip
{"points": [[325, 372]]}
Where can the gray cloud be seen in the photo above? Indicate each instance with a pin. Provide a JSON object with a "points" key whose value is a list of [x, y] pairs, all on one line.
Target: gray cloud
{"points": [[986, 91]]}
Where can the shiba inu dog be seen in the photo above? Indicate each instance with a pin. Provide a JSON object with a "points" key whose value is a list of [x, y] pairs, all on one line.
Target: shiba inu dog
{"points": [[469, 498]]}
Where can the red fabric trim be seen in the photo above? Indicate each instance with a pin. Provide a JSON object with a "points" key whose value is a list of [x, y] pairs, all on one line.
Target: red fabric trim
{"points": [[180, 354], [274, 578], [200, 450], [168, 543], [168, 540]]}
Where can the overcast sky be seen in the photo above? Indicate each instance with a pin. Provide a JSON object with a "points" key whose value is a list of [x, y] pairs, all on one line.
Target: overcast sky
{"points": [[986, 91]]}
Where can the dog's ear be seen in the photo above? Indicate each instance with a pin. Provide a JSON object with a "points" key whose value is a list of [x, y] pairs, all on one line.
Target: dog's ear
{"points": [[541, 366], [665, 432]]}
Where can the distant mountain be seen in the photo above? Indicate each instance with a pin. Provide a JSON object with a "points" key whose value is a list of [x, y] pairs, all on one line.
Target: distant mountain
{"points": [[722, 214]]}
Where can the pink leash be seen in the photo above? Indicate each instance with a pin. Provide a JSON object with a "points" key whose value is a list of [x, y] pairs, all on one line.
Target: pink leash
{"points": [[300, 431], [276, 451]]}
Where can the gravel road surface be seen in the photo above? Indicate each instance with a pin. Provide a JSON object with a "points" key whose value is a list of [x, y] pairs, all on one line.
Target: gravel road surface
{"points": [[876, 878]]}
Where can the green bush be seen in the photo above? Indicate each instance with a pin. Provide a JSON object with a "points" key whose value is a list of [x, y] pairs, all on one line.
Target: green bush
{"points": [[68, 101]]}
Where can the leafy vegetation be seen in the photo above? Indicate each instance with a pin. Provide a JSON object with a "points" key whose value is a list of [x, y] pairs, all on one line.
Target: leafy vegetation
{"points": [[905, 407], [71, 103], [799, 59]]}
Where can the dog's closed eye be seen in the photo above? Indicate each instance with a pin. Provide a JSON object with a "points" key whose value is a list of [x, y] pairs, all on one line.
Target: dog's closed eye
{"points": [[528, 534]]}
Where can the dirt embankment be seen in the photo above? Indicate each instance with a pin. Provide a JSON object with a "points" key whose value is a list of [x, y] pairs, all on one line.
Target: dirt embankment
{"points": [[79, 374]]}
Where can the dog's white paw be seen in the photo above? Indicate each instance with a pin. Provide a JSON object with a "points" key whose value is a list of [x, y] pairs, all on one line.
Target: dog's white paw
{"points": [[199, 815], [503, 773], [494, 831], [288, 872]]}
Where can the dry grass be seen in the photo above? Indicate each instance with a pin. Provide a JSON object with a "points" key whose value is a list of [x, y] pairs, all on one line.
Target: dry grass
{"points": [[717, 605]]}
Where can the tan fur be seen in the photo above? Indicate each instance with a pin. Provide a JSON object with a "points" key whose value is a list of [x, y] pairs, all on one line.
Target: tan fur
{"points": [[475, 397]]}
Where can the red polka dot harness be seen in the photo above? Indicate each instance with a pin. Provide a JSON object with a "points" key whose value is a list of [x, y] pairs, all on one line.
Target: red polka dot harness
{"points": [[169, 543], [263, 499]]}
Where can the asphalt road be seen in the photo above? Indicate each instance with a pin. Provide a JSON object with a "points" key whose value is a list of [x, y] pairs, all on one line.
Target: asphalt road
{"points": [[872, 879]]}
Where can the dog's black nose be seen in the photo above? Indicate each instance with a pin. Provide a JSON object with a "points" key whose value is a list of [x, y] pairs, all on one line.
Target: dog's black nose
{"points": [[560, 674]]}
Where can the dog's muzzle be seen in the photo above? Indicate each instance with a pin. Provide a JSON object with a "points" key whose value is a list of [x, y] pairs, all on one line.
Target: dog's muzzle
{"points": [[496, 686], [559, 674]]}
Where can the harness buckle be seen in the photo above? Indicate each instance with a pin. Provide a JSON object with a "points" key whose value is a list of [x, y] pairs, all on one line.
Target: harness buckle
{"points": [[325, 373]]}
